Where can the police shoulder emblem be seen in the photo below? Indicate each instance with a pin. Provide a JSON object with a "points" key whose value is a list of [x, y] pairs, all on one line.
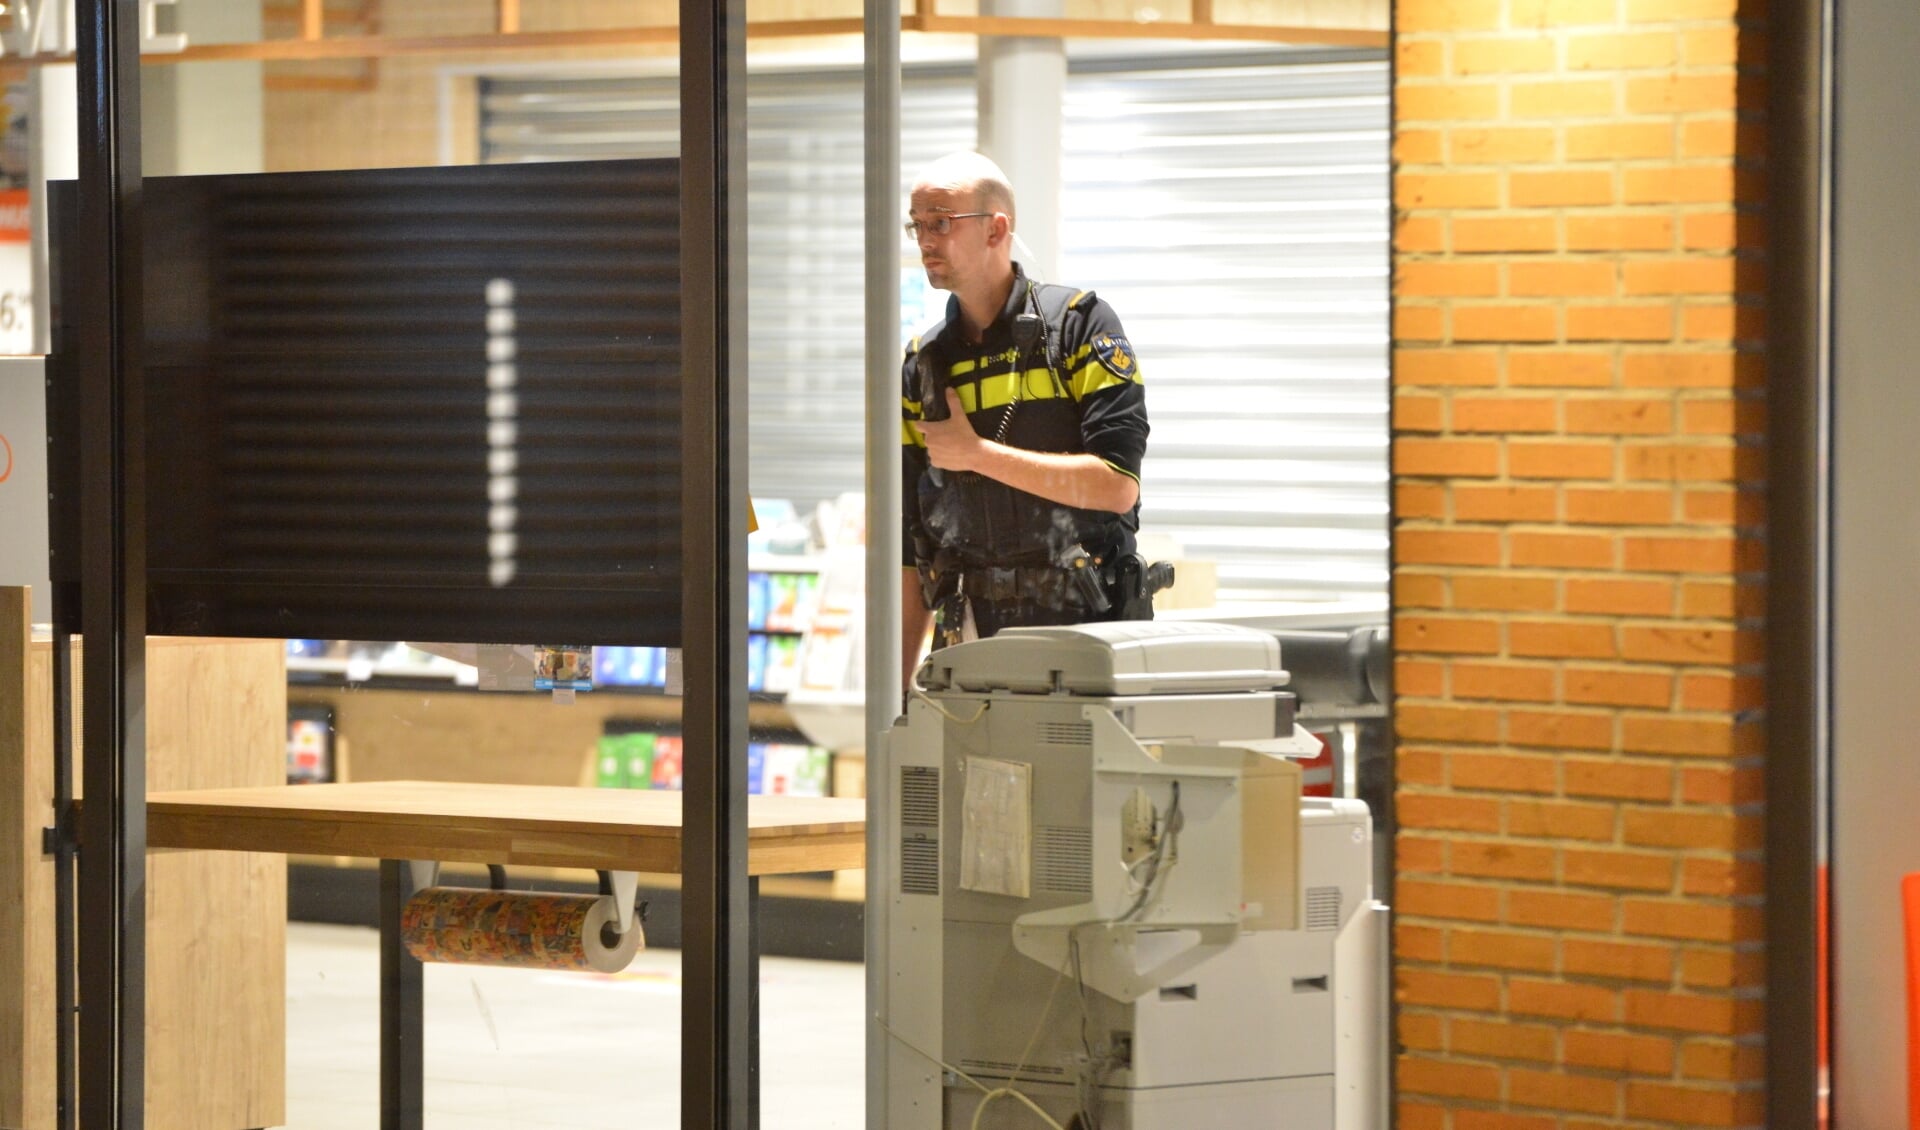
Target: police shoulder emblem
{"points": [[1117, 355]]}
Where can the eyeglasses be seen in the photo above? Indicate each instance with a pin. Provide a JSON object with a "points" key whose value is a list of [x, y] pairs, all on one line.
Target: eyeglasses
{"points": [[940, 225]]}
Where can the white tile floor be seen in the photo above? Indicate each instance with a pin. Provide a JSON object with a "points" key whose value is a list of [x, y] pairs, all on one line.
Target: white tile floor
{"points": [[510, 1049]]}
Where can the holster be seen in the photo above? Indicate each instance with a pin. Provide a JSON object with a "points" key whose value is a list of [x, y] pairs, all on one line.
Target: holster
{"points": [[1133, 584]]}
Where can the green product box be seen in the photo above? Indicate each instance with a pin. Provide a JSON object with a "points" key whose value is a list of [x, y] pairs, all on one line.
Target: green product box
{"points": [[610, 762], [639, 750]]}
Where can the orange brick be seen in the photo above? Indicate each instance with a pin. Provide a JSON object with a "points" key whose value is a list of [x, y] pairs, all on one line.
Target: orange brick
{"points": [[1710, 138], [1690, 919], [1422, 1031], [1616, 232], [1715, 231], [1719, 691], [1720, 784], [1503, 55], [1452, 101], [1415, 234], [1561, 551], [1448, 723], [1419, 943], [1504, 414], [1446, 990], [1447, 813], [1721, 599], [1500, 860], [1505, 592], [1709, 554], [1692, 1012], [1722, 878], [1445, 367], [1619, 417], [1505, 234], [1695, 1106], [1505, 323], [1560, 820], [1510, 145], [1446, 279], [1591, 506], [1717, 967], [1448, 1078], [1557, 14], [1419, 678], [1419, 855], [1446, 458], [1619, 779], [1625, 870], [1415, 766], [1693, 462], [1465, 1119], [1451, 190], [1560, 460], [1414, 500], [1682, 94], [1689, 644], [1501, 949], [1621, 961], [1419, 1116], [1689, 737], [1559, 729], [1708, 274], [1689, 829], [1446, 547], [1446, 900], [1620, 52], [1414, 16], [1560, 189], [1715, 369], [1557, 640], [1560, 999], [1418, 323], [1705, 183], [1502, 772], [1562, 278], [1581, 99], [1445, 636], [1560, 369], [1721, 322], [1619, 598], [1419, 59], [1722, 417], [1419, 147], [1710, 46], [1609, 1051], [1473, 502], [1418, 413], [1561, 910], [1724, 506], [1490, 1040], [1620, 323], [1624, 687], [1554, 1091]]}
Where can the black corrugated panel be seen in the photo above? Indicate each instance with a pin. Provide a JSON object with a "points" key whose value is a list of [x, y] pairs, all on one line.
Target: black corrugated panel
{"points": [[360, 380]]}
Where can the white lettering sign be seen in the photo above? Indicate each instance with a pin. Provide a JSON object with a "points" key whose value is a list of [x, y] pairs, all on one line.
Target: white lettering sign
{"points": [[47, 27]]}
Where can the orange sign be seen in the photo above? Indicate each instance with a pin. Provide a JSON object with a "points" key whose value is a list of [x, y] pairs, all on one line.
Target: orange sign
{"points": [[16, 216], [6, 458]]}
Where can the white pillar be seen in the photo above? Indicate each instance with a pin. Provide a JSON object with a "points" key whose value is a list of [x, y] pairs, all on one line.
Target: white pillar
{"points": [[198, 118], [1023, 85]]}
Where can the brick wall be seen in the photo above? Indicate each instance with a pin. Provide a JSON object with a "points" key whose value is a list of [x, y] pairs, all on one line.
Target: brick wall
{"points": [[1578, 419]]}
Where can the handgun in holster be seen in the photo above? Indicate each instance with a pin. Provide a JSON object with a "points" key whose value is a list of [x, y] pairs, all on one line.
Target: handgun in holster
{"points": [[1135, 582]]}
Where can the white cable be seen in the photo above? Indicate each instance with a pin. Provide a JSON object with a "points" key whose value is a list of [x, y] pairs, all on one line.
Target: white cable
{"points": [[915, 689]]}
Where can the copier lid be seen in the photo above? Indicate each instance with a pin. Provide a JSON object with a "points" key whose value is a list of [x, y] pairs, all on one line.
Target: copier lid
{"points": [[1133, 657]]}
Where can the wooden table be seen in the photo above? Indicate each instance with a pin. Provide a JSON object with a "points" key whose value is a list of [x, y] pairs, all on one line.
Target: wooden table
{"points": [[400, 821]]}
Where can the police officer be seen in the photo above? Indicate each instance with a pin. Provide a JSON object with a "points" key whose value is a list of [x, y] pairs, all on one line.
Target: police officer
{"points": [[1025, 427]]}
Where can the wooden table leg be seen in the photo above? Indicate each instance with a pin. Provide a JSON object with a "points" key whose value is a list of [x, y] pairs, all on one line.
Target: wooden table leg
{"points": [[401, 1022]]}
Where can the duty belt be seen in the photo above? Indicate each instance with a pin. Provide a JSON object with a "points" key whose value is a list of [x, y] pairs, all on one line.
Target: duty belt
{"points": [[1048, 586]]}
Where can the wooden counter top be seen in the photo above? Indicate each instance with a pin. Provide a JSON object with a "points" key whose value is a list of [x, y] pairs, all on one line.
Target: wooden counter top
{"points": [[600, 829]]}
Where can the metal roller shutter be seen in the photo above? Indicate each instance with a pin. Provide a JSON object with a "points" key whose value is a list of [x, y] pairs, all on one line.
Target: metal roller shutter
{"points": [[1232, 207]]}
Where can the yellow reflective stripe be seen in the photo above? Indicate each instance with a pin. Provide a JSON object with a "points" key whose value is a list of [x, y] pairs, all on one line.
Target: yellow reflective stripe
{"points": [[1093, 377], [992, 392], [1122, 470], [910, 436], [912, 406], [962, 368]]}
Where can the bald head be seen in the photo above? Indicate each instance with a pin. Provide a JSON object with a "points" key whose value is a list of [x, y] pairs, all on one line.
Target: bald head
{"points": [[974, 176]]}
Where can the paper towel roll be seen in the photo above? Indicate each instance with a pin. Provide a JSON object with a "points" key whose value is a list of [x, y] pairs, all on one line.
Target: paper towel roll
{"points": [[463, 925]]}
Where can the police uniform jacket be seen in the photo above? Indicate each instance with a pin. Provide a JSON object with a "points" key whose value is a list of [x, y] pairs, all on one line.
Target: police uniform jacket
{"points": [[1090, 401]]}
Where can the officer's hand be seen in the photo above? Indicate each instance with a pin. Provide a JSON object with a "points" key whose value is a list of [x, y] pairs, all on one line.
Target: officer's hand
{"points": [[952, 444]]}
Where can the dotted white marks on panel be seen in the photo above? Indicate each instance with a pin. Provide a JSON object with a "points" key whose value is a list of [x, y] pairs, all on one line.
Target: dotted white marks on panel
{"points": [[503, 430]]}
